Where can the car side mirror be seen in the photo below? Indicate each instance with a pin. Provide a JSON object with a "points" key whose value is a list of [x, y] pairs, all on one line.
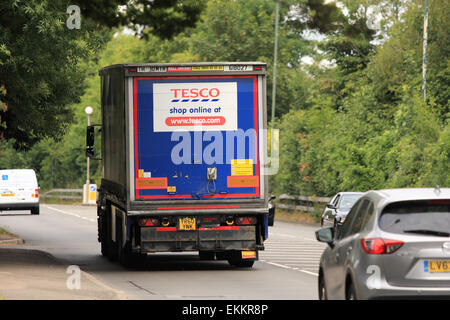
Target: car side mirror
{"points": [[330, 206], [326, 235]]}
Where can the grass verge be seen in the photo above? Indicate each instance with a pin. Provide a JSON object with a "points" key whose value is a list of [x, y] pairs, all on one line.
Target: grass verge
{"points": [[5, 235], [60, 201], [295, 216]]}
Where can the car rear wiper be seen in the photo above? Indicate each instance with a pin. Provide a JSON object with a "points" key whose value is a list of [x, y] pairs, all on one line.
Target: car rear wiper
{"points": [[430, 232]]}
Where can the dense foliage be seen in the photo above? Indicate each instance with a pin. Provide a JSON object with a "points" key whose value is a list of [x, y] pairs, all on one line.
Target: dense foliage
{"points": [[353, 120], [367, 127]]}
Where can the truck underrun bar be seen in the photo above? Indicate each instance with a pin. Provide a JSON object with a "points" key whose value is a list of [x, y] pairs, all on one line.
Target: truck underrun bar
{"points": [[203, 211]]}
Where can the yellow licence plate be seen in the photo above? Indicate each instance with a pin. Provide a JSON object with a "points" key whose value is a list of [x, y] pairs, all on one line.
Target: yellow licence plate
{"points": [[437, 266], [248, 254], [7, 194], [186, 223]]}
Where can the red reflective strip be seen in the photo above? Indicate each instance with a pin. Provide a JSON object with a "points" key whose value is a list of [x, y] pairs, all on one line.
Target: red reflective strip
{"points": [[166, 229], [220, 228], [233, 195], [255, 98], [199, 207], [255, 103], [136, 153], [171, 69], [167, 196]]}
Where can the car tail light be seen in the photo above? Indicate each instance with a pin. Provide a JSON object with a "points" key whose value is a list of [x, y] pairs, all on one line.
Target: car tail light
{"points": [[380, 245], [149, 222], [35, 194], [245, 220]]}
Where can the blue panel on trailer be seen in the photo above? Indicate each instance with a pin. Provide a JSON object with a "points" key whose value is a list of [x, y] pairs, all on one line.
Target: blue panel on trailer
{"points": [[172, 155]]}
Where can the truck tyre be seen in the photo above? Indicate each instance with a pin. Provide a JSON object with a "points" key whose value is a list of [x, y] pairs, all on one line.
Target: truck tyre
{"points": [[241, 263], [206, 255], [35, 210], [235, 259], [220, 255], [110, 245], [102, 233], [129, 259], [125, 255]]}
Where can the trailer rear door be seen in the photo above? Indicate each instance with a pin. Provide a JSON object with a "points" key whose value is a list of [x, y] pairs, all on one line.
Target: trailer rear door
{"points": [[187, 126]]}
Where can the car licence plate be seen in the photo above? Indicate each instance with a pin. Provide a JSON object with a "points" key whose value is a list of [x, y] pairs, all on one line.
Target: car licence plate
{"points": [[433, 266], [186, 223], [7, 194]]}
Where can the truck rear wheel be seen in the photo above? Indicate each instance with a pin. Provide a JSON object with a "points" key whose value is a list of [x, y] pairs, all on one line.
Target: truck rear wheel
{"points": [[102, 233], [241, 263], [35, 211], [111, 247], [129, 259], [235, 259], [206, 255], [125, 255]]}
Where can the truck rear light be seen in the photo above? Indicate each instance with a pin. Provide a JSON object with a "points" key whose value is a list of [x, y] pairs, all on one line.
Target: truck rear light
{"points": [[245, 220], [148, 222], [35, 194], [165, 222], [380, 245], [229, 221]]}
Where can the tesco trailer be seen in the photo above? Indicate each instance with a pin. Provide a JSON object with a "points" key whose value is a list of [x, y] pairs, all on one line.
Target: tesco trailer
{"points": [[183, 154]]}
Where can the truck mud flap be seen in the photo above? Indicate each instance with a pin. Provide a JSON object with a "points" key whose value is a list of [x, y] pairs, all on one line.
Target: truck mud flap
{"points": [[218, 238]]}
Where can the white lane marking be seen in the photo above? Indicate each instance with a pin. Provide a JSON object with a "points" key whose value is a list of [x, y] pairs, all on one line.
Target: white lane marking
{"points": [[278, 265], [295, 250], [70, 214], [291, 268], [300, 241], [309, 272], [291, 259], [274, 238]]}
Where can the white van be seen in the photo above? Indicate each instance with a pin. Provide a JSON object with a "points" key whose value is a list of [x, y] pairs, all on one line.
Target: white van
{"points": [[19, 190]]}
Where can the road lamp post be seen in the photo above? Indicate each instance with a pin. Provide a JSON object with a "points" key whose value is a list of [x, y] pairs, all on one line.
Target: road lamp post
{"points": [[89, 110]]}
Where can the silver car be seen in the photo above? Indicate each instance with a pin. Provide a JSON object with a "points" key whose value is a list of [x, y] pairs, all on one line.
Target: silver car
{"points": [[394, 244]]}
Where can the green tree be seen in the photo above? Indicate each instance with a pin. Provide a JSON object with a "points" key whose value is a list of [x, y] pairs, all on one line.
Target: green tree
{"points": [[40, 56]]}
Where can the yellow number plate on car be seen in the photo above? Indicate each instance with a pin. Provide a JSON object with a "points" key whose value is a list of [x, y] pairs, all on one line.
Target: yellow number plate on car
{"points": [[437, 266], [186, 224], [7, 194]]}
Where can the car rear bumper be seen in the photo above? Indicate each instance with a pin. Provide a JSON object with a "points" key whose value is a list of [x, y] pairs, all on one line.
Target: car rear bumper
{"points": [[19, 205], [387, 291]]}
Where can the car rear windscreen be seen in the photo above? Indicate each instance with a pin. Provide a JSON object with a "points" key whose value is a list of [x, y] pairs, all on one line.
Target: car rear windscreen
{"points": [[348, 200], [430, 217]]}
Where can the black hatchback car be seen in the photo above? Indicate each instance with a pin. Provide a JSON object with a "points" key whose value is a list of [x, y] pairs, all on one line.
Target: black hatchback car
{"points": [[338, 208]]}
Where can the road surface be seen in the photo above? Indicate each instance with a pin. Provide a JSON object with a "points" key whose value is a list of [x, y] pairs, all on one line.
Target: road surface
{"points": [[287, 268]]}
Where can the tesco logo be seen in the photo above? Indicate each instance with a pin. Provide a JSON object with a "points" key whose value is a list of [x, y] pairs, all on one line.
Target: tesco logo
{"points": [[196, 93]]}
